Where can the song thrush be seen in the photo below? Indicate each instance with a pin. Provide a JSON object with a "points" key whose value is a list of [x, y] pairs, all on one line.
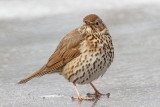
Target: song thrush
{"points": [[82, 55]]}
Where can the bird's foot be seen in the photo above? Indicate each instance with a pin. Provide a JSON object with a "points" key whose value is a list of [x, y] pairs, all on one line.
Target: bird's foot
{"points": [[98, 94], [83, 98]]}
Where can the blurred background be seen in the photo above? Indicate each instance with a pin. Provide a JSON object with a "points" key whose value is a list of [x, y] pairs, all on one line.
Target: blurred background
{"points": [[30, 30]]}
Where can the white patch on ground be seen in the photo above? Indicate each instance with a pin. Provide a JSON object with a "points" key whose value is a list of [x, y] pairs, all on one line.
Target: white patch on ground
{"points": [[52, 96]]}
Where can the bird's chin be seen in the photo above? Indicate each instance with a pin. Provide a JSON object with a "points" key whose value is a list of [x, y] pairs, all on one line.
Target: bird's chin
{"points": [[89, 29]]}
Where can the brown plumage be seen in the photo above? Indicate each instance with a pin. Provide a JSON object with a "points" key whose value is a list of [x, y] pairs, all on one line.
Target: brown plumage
{"points": [[90, 18], [65, 52], [82, 55]]}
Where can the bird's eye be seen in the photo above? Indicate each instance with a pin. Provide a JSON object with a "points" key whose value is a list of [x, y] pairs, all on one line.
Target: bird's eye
{"points": [[97, 23]]}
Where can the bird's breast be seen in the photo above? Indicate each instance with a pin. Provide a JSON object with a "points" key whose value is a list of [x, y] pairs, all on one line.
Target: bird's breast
{"points": [[92, 63]]}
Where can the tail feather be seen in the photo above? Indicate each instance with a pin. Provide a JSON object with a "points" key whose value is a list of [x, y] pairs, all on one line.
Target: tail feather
{"points": [[37, 73]]}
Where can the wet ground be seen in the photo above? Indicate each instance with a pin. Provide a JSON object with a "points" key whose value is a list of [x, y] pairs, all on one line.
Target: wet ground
{"points": [[133, 79]]}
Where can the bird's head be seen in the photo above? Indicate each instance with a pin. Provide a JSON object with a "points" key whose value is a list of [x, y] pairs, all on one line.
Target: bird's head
{"points": [[94, 23]]}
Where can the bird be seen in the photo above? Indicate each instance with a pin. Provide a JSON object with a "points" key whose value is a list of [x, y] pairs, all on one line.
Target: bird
{"points": [[82, 56]]}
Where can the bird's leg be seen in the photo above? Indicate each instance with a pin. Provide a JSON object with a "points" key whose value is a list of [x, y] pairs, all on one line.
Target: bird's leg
{"points": [[97, 93], [79, 97]]}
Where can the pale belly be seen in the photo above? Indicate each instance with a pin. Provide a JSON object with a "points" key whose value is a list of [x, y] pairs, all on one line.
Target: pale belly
{"points": [[86, 68]]}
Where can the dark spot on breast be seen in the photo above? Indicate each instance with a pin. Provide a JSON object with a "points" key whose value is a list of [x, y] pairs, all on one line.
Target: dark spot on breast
{"points": [[75, 80], [72, 67], [101, 63], [94, 65], [100, 51], [96, 54], [70, 76], [82, 69]]}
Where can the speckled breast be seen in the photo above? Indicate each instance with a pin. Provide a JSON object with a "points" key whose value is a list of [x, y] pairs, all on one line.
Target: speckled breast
{"points": [[92, 63]]}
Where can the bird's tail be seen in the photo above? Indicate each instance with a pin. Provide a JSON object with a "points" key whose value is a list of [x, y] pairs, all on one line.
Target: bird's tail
{"points": [[37, 73]]}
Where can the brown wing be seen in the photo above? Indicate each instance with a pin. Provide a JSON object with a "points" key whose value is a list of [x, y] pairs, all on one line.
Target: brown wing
{"points": [[67, 50]]}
